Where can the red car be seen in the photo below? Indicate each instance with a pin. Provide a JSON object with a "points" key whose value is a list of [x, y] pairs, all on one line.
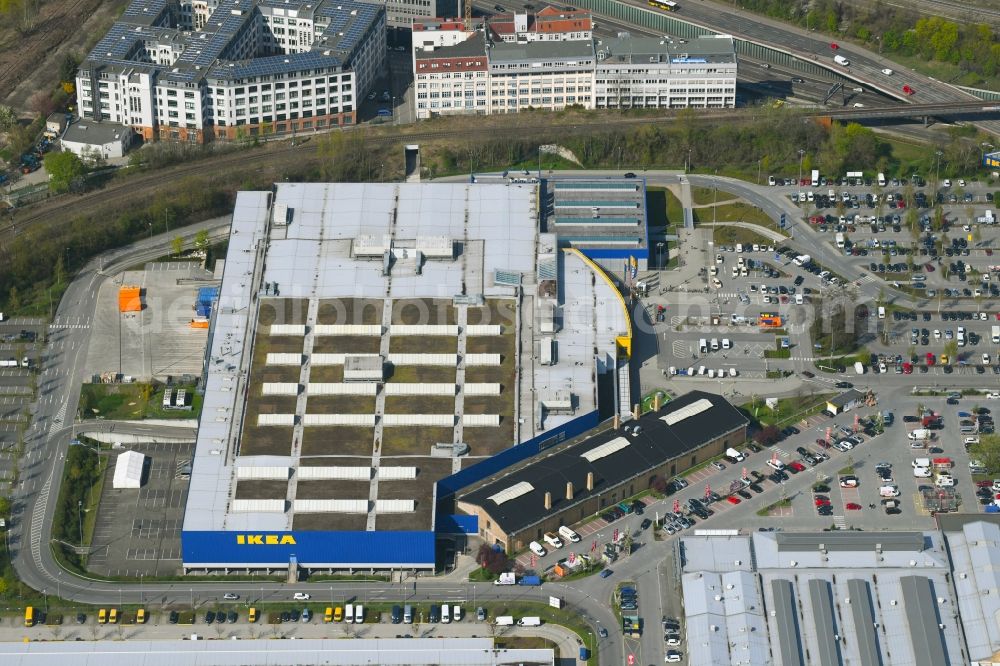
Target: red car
{"points": [[907, 368], [834, 46], [984, 484], [732, 499], [908, 90], [822, 502], [929, 267], [797, 466], [852, 506], [805, 181], [822, 443], [930, 358]]}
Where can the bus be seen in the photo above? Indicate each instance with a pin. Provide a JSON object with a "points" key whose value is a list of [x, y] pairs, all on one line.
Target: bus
{"points": [[665, 5], [29, 616]]}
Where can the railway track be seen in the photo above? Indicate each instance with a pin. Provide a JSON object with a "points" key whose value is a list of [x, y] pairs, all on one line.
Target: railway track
{"points": [[35, 46]]}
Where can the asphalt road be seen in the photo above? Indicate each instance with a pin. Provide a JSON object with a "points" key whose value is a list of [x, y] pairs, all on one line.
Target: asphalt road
{"points": [[53, 427]]}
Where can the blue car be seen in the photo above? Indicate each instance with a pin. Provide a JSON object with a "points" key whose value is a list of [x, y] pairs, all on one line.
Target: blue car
{"points": [[606, 572]]}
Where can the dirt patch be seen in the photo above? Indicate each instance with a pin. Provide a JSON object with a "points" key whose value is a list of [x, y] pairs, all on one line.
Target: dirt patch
{"points": [[411, 311], [494, 311], [488, 345], [349, 311], [421, 374], [419, 404], [30, 62], [483, 374], [339, 522], [282, 344], [332, 490], [337, 441], [266, 440], [490, 441], [423, 344], [414, 441], [341, 404], [262, 489], [330, 374], [346, 344]]}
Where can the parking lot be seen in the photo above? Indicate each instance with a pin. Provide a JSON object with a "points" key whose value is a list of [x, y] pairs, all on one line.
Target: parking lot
{"points": [[21, 340], [138, 531], [158, 341]]}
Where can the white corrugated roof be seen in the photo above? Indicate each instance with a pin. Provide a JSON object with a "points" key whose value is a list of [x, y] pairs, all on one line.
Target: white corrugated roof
{"points": [[128, 470], [515, 491], [330, 506], [424, 388], [280, 388], [394, 506], [261, 472], [424, 329], [357, 473], [696, 407], [396, 473], [605, 449], [482, 359], [338, 420], [258, 505]]}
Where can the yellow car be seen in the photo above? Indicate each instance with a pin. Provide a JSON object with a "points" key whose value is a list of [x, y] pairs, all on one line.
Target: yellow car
{"points": [[253, 615], [102, 616], [944, 359], [338, 614]]}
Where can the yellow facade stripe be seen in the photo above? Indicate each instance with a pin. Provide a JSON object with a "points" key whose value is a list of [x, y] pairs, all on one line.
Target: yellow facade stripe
{"points": [[624, 342]]}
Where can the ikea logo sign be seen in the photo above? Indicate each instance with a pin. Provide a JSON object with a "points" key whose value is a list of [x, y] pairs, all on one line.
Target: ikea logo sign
{"points": [[265, 540]]}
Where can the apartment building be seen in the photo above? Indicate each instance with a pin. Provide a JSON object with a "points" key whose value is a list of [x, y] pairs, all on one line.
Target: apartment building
{"points": [[550, 60], [663, 73], [229, 68]]}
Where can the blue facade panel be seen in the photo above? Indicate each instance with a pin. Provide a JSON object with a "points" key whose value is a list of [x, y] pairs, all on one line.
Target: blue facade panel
{"points": [[615, 253], [359, 549], [456, 524], [515, 454]]}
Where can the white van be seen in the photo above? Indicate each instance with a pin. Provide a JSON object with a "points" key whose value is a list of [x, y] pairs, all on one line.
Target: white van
{"points": [[349, 613], [569, 534], [359, 614], [530, 621], [726, 343], [552, 539], [456, 612], [715, 344], [537, 548], [888, 491], [881, 312], [703, 345], [776, 464], [739, 247], [504, 621], [445, 614], [734, 455]]}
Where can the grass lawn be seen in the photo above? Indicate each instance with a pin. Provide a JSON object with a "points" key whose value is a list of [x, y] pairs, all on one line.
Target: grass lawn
{"points": [[423, 344], [420, 404], [798, 406], [735, 212], [414, 440], [675, 211], [702, 196], [429, 374], [727, 235], [481, 575], [128, 402]]}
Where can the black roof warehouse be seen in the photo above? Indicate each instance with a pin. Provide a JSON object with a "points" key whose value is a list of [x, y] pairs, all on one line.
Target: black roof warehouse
{"points": [[567, 485]]}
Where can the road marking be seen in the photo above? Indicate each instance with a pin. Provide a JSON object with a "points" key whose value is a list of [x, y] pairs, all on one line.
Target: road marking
{"points": [[840, 523]]}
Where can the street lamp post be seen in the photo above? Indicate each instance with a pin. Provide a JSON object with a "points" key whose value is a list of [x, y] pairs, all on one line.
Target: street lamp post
{"points": [[758, 171], [937, 168], [79, 516], [801, 154], [659, 250]]}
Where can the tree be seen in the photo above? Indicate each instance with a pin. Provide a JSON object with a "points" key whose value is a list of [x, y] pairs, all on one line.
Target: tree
{"points": [[951, 349], [987, 451], [63, 169], [767, 436], [493, 560], [201, 240], [41, 103], [13, 299], [7, 118], [177, 245]]}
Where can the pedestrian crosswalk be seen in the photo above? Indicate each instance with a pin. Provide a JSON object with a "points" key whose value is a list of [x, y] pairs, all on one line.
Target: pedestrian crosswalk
{"points": [[58, 327], [865, 279]]}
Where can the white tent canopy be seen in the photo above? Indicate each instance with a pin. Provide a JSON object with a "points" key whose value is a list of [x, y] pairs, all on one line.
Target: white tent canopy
{"points": [[128, 470]]}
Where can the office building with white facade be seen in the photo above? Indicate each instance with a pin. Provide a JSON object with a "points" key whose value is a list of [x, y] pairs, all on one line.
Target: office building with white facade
{"points": [[664, 73], [222, 70], [550, 60]]}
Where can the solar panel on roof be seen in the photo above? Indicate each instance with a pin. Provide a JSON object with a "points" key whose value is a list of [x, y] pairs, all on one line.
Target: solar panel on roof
{"points": [[606, 449], [515, 491], [696, 407]]}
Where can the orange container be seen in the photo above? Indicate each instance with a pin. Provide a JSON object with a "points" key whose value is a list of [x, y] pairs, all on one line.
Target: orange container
{"points": [[129, 298]]}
